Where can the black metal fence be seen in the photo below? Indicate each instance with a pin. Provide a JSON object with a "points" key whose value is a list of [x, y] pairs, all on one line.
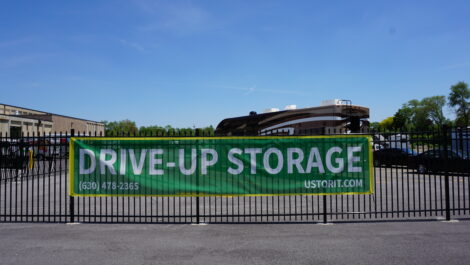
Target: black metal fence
{"points": [[418, 175]]}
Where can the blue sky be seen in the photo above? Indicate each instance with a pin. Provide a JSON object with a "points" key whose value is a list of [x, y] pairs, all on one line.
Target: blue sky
{"points": [[194, 63]]}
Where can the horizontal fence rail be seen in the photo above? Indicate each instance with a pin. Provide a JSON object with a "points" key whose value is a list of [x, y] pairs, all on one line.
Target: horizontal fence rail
{"points": [[417, 175]]}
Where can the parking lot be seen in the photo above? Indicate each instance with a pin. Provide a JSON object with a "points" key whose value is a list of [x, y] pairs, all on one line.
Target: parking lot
{"points": [[348, 243]]}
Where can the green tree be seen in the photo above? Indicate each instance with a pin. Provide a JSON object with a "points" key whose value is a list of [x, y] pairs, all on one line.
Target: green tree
{"points": [[124, 127], [402, 119], [127, 127], [410, 116], [374, 126], [432, 106], [152, 131], [419, 117], [386, 124], [459, 100], [420, 114], [208, 131]]}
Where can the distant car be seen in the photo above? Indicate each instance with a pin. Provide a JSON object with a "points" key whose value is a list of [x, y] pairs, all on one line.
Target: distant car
{"points": [[393, 156], [379, 142], [43, 148], [435, 161]]}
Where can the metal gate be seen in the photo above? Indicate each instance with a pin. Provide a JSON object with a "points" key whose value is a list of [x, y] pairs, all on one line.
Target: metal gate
{"points": [[34, 188]]}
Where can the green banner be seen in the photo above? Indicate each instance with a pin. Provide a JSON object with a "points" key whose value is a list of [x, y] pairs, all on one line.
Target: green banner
{"points": [[230, 166]]}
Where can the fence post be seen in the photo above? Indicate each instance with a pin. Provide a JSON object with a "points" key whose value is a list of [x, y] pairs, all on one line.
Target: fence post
{"points": [[446, 171], [71, 198], [198, 213], [325, 210]]}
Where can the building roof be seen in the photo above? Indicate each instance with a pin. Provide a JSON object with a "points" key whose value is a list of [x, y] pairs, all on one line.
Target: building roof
{"points": [[43, 116], [251, 124]]}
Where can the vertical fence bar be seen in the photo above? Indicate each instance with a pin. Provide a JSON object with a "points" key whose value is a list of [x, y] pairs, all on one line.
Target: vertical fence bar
{"points": [[325, 211], [198, 214], [71, 198], [446, 171]]}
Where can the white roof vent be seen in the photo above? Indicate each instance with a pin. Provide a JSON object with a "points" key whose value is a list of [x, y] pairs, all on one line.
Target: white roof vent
{"points": [[290, 107], [332, 102], [271, 110]]}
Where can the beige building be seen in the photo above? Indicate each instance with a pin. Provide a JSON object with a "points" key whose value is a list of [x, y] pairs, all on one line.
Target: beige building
{"points": [[16, 121]]}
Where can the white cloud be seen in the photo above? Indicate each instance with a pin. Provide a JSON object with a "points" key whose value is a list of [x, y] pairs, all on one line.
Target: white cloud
{"points": [[15, 42], [181, 17], [457, 66], [20, 60], [133, 45], [254, 89]]}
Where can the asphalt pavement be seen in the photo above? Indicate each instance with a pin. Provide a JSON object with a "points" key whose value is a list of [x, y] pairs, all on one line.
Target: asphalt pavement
{"points": [[419, 242]]}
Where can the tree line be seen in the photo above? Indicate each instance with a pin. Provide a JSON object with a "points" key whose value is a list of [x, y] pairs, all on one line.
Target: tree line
{"points": [[427, 113], [128, 127]]}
